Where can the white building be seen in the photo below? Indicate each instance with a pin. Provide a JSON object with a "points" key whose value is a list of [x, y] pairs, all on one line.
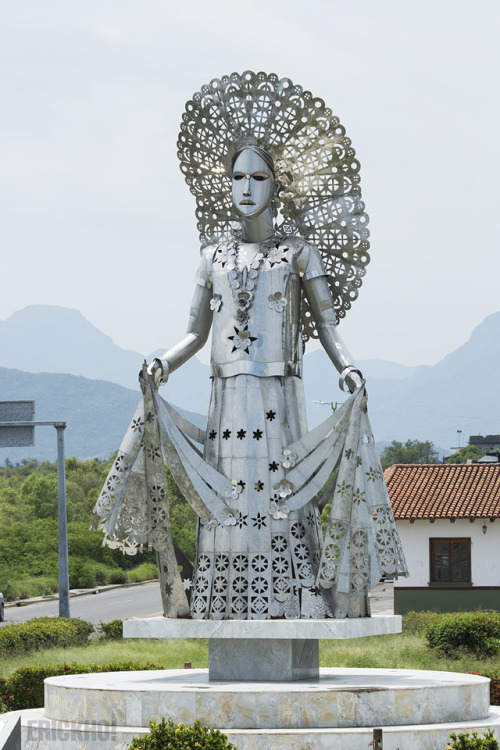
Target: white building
{"points": [[445, 516]]}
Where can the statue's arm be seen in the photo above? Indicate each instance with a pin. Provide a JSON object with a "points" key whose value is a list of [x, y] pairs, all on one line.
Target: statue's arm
{"points": [[320, 301], [200, 321]]}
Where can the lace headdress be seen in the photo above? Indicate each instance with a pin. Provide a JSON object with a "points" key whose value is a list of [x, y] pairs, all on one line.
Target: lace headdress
{"points": [[314, 161]]}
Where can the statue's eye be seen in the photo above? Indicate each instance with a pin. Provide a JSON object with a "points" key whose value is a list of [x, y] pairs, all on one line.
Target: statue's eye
{"points": [[237, 176], [259, 177]]}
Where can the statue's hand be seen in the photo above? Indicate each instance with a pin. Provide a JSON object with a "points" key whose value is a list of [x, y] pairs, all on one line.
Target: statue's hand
{"points": [[352, 378], [158, 372]]}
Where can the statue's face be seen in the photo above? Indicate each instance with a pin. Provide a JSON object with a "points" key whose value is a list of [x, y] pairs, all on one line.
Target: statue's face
{"points": [[253, 184]]}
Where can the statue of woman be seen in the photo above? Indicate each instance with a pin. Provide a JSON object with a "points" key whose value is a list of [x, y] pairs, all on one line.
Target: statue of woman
{"points": [[262, 290]]}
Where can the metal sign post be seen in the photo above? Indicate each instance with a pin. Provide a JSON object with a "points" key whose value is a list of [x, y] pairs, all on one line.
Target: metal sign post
{"points": [[17, 430]]}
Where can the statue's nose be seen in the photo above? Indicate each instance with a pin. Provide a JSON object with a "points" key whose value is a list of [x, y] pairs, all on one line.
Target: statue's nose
{"points": [[246, 186]]}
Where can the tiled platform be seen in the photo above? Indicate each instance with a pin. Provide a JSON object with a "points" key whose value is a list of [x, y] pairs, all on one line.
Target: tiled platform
{"points": [[416, 709]]}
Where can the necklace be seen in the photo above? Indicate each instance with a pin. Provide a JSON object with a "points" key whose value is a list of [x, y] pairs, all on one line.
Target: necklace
{"points": [[244, 283]]}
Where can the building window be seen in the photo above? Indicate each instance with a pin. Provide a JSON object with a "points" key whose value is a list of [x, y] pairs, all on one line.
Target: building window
{"points": [[450, 560]]}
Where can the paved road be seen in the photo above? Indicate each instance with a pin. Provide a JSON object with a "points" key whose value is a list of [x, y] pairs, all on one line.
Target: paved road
{"points": [[143, 601], [131, 601]]}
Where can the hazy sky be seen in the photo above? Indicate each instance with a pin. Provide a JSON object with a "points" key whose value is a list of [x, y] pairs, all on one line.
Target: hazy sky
{"points": [[94, 213]]}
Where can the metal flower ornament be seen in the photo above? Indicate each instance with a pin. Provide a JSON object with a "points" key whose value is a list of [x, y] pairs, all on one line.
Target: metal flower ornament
{"points": [[284, 247]]}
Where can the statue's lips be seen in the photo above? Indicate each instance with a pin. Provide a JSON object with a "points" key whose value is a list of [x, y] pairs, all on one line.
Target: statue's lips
{"points": [[247, 203]]}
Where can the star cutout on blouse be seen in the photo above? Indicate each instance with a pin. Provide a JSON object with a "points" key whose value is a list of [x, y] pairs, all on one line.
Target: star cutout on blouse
{"points": [[258, 486], [257, 434], [150, 417], [241, 521], [226, 434], [273, 466], [241, 434], [259, 520], [241, 484], [212, 435], [242, 339], [270, 415]]}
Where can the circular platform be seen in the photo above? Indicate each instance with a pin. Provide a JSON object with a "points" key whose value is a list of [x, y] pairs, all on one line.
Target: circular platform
{"points": [[339, 698]]}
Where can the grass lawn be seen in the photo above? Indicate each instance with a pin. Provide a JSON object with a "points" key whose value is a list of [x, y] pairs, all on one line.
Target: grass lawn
{"points": [[401, 651]]}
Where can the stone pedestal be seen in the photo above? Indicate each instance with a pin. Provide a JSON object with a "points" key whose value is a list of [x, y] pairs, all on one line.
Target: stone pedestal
{"points": [[262, 650], [415, 709], [263, 660]]}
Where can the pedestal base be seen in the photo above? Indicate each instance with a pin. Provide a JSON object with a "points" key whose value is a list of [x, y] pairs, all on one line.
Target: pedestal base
{"points": [[274, 650], [416, 710], [262, 660]]}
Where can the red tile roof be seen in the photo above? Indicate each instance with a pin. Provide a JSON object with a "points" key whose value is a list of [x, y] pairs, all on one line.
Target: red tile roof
{"points": [[444, 490]]}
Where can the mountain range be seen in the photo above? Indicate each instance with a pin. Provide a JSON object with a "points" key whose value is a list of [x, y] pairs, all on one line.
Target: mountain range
{"points": [[74, 372]]}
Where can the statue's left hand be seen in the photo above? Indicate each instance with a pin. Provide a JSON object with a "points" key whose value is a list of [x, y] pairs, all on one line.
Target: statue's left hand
{"points": [[352, 378]]}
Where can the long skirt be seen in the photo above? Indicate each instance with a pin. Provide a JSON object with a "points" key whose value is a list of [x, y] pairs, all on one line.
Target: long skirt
{"points": [[263, 563]]}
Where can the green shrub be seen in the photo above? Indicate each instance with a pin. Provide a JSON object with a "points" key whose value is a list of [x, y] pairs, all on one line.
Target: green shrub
{"points": [[477, 633], [473, 741], [118, 576], [415, 622], [113, 630], [166, 735], [145, 572], [24, 688], [43, 632], [81, 574]]}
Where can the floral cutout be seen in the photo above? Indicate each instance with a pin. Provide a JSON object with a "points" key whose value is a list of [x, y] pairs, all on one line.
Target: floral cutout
{"points": [[242, 339], [233, 490], [343, 488], [277, 255], [283, 488], [358, 496], [226, 255], [278, 509], [216, 302], [277, 302], [288, 459], [208, 523], [374, 474]]}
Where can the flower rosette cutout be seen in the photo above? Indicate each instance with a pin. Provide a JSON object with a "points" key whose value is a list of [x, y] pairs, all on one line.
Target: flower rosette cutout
{"points": [[208, 523], [216, 302], [277, 255], [242, 339], [288, 459], [254, 265], [278, 509], [231, 517], [233, 490], [277, 302], [283, 488], [244, 299]]}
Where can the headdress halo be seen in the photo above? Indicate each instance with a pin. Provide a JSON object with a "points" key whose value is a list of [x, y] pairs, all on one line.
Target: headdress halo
{"points": [[314, 160]]}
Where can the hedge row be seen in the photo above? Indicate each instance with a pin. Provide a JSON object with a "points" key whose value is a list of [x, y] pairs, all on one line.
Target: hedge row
{"points": [[43, 632], [476, 633], [24, 688]]}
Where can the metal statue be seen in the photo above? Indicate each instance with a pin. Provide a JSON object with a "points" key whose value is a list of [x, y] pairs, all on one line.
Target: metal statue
{"points": [[260, 151]]}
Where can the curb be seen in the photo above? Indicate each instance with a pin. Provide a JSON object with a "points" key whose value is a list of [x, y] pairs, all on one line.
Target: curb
{"points": [[78, 592]]}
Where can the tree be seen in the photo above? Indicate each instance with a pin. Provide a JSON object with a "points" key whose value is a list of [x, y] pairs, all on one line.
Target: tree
{"points": [[466, 453], [411, 452]]}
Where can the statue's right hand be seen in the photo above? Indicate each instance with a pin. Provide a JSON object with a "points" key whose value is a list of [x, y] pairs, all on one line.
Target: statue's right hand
{"points": [[158, 372]]}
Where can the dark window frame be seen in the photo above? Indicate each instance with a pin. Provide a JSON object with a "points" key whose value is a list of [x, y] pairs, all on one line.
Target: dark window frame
{"points": [[455, 577]]}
